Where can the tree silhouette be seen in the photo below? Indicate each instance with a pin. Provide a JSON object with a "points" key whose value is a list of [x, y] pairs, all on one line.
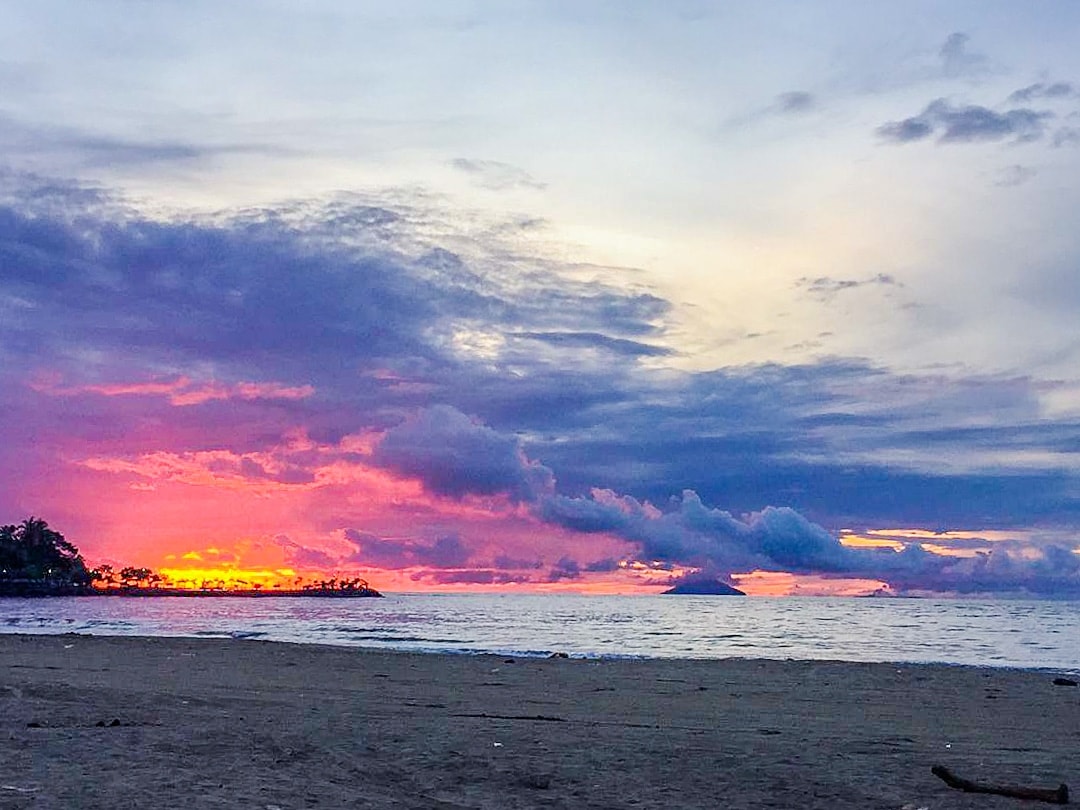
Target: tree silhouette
{"points": [[37, 559]]}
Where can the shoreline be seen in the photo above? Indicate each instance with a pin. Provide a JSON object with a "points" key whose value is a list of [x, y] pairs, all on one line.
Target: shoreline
{"points": [[192, 593], [542, 655], [92, 721]]}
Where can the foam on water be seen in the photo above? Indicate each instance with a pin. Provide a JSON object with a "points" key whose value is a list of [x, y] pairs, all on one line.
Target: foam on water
{"points": [[1026, 634]]}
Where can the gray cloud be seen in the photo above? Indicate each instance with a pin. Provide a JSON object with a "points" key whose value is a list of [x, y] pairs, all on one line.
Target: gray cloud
{"points": [[1067, 136], [1015, 175], [795, 102], [957, 61], [1044, 90], [593, 340], [968, 123], [93, 150], [826, 287]]}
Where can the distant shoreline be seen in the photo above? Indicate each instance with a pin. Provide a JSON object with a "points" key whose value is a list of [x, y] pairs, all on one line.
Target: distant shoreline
{"points": [[325, 593], [188, 593]]}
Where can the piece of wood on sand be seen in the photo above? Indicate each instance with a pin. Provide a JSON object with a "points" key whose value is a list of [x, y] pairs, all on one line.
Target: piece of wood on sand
{"points": [[1060, 795]]}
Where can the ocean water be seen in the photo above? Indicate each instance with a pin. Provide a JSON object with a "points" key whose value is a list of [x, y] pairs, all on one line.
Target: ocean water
{"points": [[1021, 634]]}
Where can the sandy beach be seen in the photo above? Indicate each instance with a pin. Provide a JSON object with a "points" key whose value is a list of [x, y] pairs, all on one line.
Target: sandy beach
{"points": [[97, 722]]}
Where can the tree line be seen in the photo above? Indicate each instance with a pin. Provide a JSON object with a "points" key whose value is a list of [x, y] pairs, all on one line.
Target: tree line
{"points": [[36, 560]]}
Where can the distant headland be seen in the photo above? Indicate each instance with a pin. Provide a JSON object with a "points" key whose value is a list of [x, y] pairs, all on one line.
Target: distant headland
{"points": [[36, 560]]}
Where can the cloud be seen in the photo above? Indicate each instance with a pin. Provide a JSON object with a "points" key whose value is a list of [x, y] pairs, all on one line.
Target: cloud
{"points": [[966, 124], [455, 455], [241, 300], [257, 472], [84, 149], [826, 287], [1044, 90], [445, 552], [475, 576], [496, 176], [305, 558], [564, 568], [780, 539], [787, 105], [692, 534], [1067, 136], [183, 391], [1015, 175], [795, 102], [595, 341], [1051, 570], [957, 61], [356, 363]]}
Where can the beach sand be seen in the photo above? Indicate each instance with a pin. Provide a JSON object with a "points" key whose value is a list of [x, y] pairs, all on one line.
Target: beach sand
{"points": [[89, 722]]}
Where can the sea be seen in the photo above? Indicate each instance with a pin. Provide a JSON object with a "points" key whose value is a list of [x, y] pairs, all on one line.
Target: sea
{"points": [[1024, 634]]}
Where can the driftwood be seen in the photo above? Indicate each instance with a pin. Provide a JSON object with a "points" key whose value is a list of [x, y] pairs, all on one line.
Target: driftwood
{"points": [[1056, 796]]}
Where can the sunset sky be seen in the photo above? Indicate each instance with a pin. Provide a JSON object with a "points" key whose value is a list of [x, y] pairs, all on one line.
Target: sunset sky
{"points": [[547, 295]]}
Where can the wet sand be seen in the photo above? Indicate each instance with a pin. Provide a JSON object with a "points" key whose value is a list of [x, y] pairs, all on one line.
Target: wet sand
{"points": [[96, 722]]}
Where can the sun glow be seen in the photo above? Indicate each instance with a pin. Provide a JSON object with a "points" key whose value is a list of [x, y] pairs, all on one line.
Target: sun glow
{"points": [[230, 579]]}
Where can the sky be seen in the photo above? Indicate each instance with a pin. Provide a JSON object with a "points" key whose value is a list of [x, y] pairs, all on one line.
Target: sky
{"points": [[547, 295]]}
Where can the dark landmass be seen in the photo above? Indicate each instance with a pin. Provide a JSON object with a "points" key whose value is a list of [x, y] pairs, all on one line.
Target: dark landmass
{"points": [[323, 593], [37, 588], [704, 587], [36, 561]]}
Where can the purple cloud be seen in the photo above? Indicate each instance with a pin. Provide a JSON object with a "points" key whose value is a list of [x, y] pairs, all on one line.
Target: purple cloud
{"points": [[454, 455]]}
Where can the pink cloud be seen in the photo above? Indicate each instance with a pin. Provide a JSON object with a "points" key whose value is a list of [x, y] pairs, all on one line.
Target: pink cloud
{"points": [[180, 391]]}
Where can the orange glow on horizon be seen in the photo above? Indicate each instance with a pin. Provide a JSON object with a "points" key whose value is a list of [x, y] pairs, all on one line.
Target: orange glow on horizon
{"points": [[990, 535], [231, 579], [949, 551], [781, 583], [868, 540]]}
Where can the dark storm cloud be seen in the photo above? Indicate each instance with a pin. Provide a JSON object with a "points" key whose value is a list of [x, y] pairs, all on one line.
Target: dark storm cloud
{"points": [[967, 123]]}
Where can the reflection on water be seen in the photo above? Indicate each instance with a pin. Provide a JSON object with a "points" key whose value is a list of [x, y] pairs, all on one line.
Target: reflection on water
{"points": [[998, 633]]}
